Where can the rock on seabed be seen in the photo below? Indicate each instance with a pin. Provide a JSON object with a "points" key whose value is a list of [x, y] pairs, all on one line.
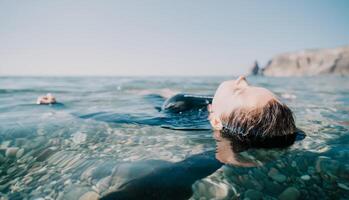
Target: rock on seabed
{"points": [[89, 196], [253, 194], [276, 175], [290, 193], [11, 152], [305, 177]]}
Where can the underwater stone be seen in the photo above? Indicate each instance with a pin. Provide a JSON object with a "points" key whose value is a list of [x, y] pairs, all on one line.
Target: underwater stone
{"points": [[27, 159], [91, 195], [55, 156], [250, 183], [44, 178], [60, 159], [344, 187], [45, 154], [70, 164], [67, 182], [291, 193], [253, 194], [103, 184], [2, 159], [5, 144], [79, 137], [74, 192], [305, 177], [87, 174], [221, 191], [38, 142], [39, 171], [272, 188], [326, 166], [311, 170], [2, 151], [259, 174], [19, 153], [4, 187], [275, 175], [11, 170], [78, 161], [63, 163], [20, 142], [103, 170], [60, 196], [11, 152], [15, 195], [27, 180]]}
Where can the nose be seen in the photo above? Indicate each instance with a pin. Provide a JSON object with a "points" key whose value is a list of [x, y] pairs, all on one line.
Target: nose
{"points": [[240, 78], [241, 81]]}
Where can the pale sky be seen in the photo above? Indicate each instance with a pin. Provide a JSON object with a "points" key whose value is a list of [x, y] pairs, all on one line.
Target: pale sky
{"points": [[160, 37]]}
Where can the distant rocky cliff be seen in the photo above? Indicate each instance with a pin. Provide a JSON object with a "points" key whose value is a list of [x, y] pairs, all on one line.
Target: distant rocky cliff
{"points": [[307, 63]]}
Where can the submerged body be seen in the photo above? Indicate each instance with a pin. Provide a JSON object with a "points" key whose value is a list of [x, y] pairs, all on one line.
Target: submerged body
{"points": [[168, 180]]}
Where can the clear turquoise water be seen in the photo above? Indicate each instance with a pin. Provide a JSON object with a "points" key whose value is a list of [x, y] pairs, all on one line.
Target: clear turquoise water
{"points": [[51, 152]]}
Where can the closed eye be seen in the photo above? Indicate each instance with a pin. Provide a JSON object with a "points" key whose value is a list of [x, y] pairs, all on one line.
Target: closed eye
{"points": [[237, 90]]}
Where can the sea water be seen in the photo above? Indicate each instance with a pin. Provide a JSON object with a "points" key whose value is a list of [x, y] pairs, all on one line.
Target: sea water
{"points": [[54, 152]]}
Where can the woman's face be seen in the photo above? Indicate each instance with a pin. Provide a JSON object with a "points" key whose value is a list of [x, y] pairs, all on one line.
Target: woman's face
{"points": [[237, 94]]}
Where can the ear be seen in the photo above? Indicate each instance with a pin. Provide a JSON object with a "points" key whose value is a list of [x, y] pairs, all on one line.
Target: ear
{"points": [[216, 123], [209, 108]]}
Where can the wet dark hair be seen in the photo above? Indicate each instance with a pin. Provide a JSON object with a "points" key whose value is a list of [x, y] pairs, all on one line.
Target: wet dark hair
{"points": [[271, 126]]}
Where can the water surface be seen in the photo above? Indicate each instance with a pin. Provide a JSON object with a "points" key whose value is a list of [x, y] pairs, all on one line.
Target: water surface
{"points": [[61, 152]]}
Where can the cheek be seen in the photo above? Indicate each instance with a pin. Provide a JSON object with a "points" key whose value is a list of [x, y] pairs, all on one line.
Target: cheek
{"points": [[221, 107], [225, 100]]}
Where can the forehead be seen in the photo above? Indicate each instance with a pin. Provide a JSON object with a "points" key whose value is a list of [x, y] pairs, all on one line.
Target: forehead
{"points": [[231, 95], [257, 96]]}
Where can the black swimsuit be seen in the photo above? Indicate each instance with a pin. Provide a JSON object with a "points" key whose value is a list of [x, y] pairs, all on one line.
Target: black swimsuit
{"points": [[186, 102], [180, 112]]}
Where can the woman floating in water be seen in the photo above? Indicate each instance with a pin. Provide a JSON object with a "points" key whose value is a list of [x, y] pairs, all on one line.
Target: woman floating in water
{"points": [[255, 114], [252, 113], [242, 117]]}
